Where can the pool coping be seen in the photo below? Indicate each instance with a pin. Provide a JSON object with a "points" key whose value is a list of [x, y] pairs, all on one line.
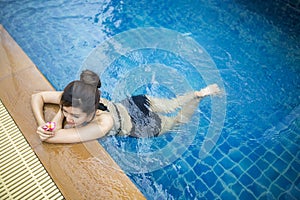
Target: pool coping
{"points": [[81, 171]]}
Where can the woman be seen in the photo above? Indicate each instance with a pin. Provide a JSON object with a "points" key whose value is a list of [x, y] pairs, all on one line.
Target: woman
{"points": [[83, 116]]}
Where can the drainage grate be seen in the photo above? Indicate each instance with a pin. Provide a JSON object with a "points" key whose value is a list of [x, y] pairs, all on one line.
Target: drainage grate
{"points": [[22, 175]]}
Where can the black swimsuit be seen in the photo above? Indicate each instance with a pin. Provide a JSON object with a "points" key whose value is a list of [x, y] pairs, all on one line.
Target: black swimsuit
{"points": [[145, 123]]}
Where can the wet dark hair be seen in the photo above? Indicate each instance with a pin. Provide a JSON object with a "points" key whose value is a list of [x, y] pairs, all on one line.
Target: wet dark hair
{"points": [[90, 77], [81, 95]]}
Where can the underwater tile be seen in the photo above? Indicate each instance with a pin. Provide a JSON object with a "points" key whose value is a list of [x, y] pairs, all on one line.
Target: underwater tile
{"points": [[237, 188], [234, 142], [271, 173], [236, 155], [237, 171], [218, 169], [227, 195], [210, 161], [246, 180], [264, 180], [278, 149], [245, 150], [163, 179], [218, 155], [209, 178], [182, 167], [201, 168], [262, 164], [172, 173], [246, 195], [227, 163], [270, 157], [253, 157], [294, 192], [190, 193], [288, 196], [293, 148], [286, 156], [276, 191], [200, 186], [190, 176], [175, 191], [257, 189], [266, 196], [245, 163], [159, 173], [260, 150], [209, 195], [191, 160], [291, 174], [225, 147], [280, 165], [218, 187], [254, 172], [295, 164], [297, 182], [228, 178], [283, 183]]}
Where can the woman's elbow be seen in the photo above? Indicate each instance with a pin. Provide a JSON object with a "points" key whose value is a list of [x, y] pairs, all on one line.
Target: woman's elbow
{"points": [[36, 98], [33, 97]]}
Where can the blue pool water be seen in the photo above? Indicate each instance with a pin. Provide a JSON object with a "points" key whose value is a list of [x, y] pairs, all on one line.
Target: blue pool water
{"points": [[250, 48]]}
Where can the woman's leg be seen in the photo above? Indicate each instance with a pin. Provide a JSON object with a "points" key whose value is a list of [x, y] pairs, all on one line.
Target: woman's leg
{"points": [[183, 115], [165, 105], [187, 109], [170, 105]]}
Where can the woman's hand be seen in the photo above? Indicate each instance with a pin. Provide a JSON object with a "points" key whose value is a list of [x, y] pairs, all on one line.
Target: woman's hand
{"points": [[43, 134]]}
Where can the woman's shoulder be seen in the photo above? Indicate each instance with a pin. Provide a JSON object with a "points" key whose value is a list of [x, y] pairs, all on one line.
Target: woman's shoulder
{"points": [[105, 119], [104, 101], [103, 114]]}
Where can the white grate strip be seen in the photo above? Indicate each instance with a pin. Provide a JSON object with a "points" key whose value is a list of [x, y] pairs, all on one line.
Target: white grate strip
{"points": [[22, 175]]}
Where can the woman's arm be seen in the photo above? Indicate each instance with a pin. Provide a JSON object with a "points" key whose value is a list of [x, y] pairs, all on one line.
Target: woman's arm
{"points": [[98, 128], [44, 134], [37, 103]]}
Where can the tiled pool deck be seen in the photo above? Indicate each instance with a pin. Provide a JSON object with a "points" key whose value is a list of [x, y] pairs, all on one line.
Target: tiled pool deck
{"points": [[73, 168]]}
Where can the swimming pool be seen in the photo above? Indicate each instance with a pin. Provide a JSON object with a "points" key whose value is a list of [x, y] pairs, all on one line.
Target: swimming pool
{"points": [[255, 50]]}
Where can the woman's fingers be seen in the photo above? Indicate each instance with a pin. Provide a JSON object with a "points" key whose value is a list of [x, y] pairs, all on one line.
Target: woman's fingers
{"points": [[43, 134], [43, 131]]}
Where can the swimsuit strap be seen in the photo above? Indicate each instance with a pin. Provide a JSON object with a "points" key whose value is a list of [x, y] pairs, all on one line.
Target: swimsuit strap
{"points": [[119, 117]]}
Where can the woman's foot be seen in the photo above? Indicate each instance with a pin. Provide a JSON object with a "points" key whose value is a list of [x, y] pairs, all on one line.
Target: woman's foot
{"points": [[209, 90]]}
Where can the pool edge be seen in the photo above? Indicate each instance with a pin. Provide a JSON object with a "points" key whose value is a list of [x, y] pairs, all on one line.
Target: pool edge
{"points": [[73, 168]]}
